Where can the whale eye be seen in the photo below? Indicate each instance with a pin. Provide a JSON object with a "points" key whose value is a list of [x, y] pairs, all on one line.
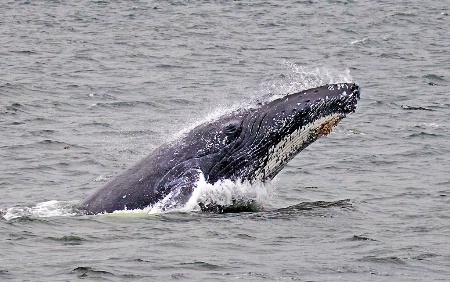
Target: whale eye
{"points": [[230, 129]]}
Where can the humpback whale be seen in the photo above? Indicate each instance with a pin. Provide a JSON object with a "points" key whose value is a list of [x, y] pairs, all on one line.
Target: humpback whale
{"points": [[250, 144]]}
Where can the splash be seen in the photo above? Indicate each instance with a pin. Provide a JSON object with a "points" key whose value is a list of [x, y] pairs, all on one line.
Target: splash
{"points": [[228, 193], [224, 193], [303, 78], [41, 210], [299, 78]]}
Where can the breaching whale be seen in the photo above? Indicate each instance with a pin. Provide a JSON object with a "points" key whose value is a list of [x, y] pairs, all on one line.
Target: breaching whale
{"points": [[252, 144]]}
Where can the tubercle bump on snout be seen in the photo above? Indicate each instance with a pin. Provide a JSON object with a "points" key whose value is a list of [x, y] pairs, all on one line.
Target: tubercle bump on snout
{"points": [[356, 90], [349, 100]]}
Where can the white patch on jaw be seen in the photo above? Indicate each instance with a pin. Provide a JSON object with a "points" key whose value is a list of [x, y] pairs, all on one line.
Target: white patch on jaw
{"points": [[289, 146]]}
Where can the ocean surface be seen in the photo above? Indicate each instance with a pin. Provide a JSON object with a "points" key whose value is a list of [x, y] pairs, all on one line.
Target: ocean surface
{"points": [[88, 88]]}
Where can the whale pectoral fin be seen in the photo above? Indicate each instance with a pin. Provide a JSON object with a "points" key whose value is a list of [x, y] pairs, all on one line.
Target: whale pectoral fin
{"points": [[180, 189]]}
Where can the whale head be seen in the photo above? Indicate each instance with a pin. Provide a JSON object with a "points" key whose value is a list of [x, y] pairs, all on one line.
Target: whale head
{"points": [[258, 142]]}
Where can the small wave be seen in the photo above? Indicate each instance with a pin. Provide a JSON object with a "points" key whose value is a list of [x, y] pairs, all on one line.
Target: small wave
{"points": [[412, 108], [200, 265], [386, 260], [314, 209], [40, 210], [429, 125], [68, 240], [361, 238], [124, 104], [422, 134], [360, 41], [104, 178], [434, 77], [86, 271], [306, 206]]}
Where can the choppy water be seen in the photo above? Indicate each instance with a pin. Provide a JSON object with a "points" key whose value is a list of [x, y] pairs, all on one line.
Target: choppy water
{"points": [[87, 88]]}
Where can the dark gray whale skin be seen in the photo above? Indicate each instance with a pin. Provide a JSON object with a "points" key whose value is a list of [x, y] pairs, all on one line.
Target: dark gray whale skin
{"points": [[250, 144]]}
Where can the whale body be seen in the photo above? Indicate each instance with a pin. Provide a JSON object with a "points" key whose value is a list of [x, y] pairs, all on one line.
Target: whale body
{"points": [[252, 144]]}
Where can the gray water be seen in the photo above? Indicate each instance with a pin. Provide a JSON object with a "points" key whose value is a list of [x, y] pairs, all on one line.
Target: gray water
{"points": [[87, 88]]}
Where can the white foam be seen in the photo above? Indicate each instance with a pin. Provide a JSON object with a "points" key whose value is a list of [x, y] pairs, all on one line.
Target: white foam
{"points": [[360, 41], [431, 125], [224, 192], [44, 209], [221, 193]]}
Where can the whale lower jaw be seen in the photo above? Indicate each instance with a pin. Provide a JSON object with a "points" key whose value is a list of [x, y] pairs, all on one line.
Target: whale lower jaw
{"points": [[285, 150]]}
